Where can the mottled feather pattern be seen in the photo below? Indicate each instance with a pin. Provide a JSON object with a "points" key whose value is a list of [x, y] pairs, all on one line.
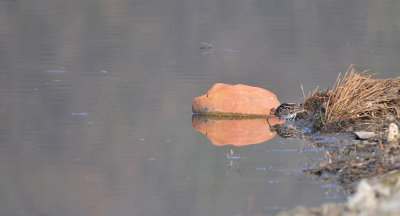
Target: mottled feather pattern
{"points": [[289, 111]]}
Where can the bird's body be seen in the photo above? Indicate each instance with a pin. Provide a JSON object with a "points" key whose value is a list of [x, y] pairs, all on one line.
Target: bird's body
{"points": [[289, 111]]}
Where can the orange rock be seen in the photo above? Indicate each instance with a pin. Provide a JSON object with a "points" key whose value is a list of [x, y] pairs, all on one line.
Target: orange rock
{"points": [[238, 132], [223, 99]]}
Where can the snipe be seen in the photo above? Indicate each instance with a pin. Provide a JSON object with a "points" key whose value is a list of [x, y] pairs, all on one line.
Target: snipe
{"points": [[289, 111]]}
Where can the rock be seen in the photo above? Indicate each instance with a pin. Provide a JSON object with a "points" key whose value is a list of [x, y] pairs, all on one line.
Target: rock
{"points": [[377, 196], [238, 100], [364, 134], [374, 196], [393, 133], [365, 198]]}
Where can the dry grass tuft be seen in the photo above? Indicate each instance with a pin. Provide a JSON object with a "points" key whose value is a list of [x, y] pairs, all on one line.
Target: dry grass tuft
{"points": [[357, 96]]}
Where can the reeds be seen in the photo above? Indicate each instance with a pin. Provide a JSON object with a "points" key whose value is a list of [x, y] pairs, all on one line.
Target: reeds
{"points": [[356, 96]]}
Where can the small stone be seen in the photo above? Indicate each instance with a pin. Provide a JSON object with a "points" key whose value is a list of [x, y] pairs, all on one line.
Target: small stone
{"points": [[393, 133], [364, 134]]}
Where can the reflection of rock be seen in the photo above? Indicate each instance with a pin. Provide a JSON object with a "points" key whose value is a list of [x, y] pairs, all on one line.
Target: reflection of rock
{"points": [[238, 132], [238, 100]]}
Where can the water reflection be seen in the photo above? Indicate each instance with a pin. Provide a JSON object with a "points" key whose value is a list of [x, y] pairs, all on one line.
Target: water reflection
{"points": [[236, 132]]}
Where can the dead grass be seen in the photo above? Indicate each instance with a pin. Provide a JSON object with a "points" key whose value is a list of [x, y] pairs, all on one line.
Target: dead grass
{"points": [[356, 95]]}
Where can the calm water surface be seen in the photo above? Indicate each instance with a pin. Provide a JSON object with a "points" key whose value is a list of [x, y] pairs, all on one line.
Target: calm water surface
{"points": [[95, 100]]}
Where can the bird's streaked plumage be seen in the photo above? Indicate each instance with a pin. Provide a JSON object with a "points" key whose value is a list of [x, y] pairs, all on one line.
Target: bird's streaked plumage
{"points": [[289, 111]]}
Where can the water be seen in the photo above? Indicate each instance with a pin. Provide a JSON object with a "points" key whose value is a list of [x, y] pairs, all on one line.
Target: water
{"points": [[95, 100]]}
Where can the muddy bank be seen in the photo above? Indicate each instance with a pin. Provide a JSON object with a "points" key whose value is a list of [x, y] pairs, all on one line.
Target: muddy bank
{"points": [[363, 158], [349, 157], [368, 149], [365, 112]]}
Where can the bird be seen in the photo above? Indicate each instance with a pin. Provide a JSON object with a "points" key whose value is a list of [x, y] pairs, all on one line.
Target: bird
{"points": [[289, 111]]}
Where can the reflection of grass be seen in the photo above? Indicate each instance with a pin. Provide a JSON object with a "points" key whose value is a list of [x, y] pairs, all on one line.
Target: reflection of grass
{"points": [[356, 96]]}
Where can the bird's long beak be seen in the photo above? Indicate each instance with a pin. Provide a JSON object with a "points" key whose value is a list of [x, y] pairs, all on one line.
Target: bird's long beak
{"points": [[270, 113]]}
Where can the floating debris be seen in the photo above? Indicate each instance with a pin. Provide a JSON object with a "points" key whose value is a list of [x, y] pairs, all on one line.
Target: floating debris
{"points": [[205, 45], [231, 50], [273, 182], [61, 70], [79, 114], [209, 48]]}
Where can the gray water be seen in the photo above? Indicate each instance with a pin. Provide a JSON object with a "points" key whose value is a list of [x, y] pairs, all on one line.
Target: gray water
{"points": [[95, 100]]}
